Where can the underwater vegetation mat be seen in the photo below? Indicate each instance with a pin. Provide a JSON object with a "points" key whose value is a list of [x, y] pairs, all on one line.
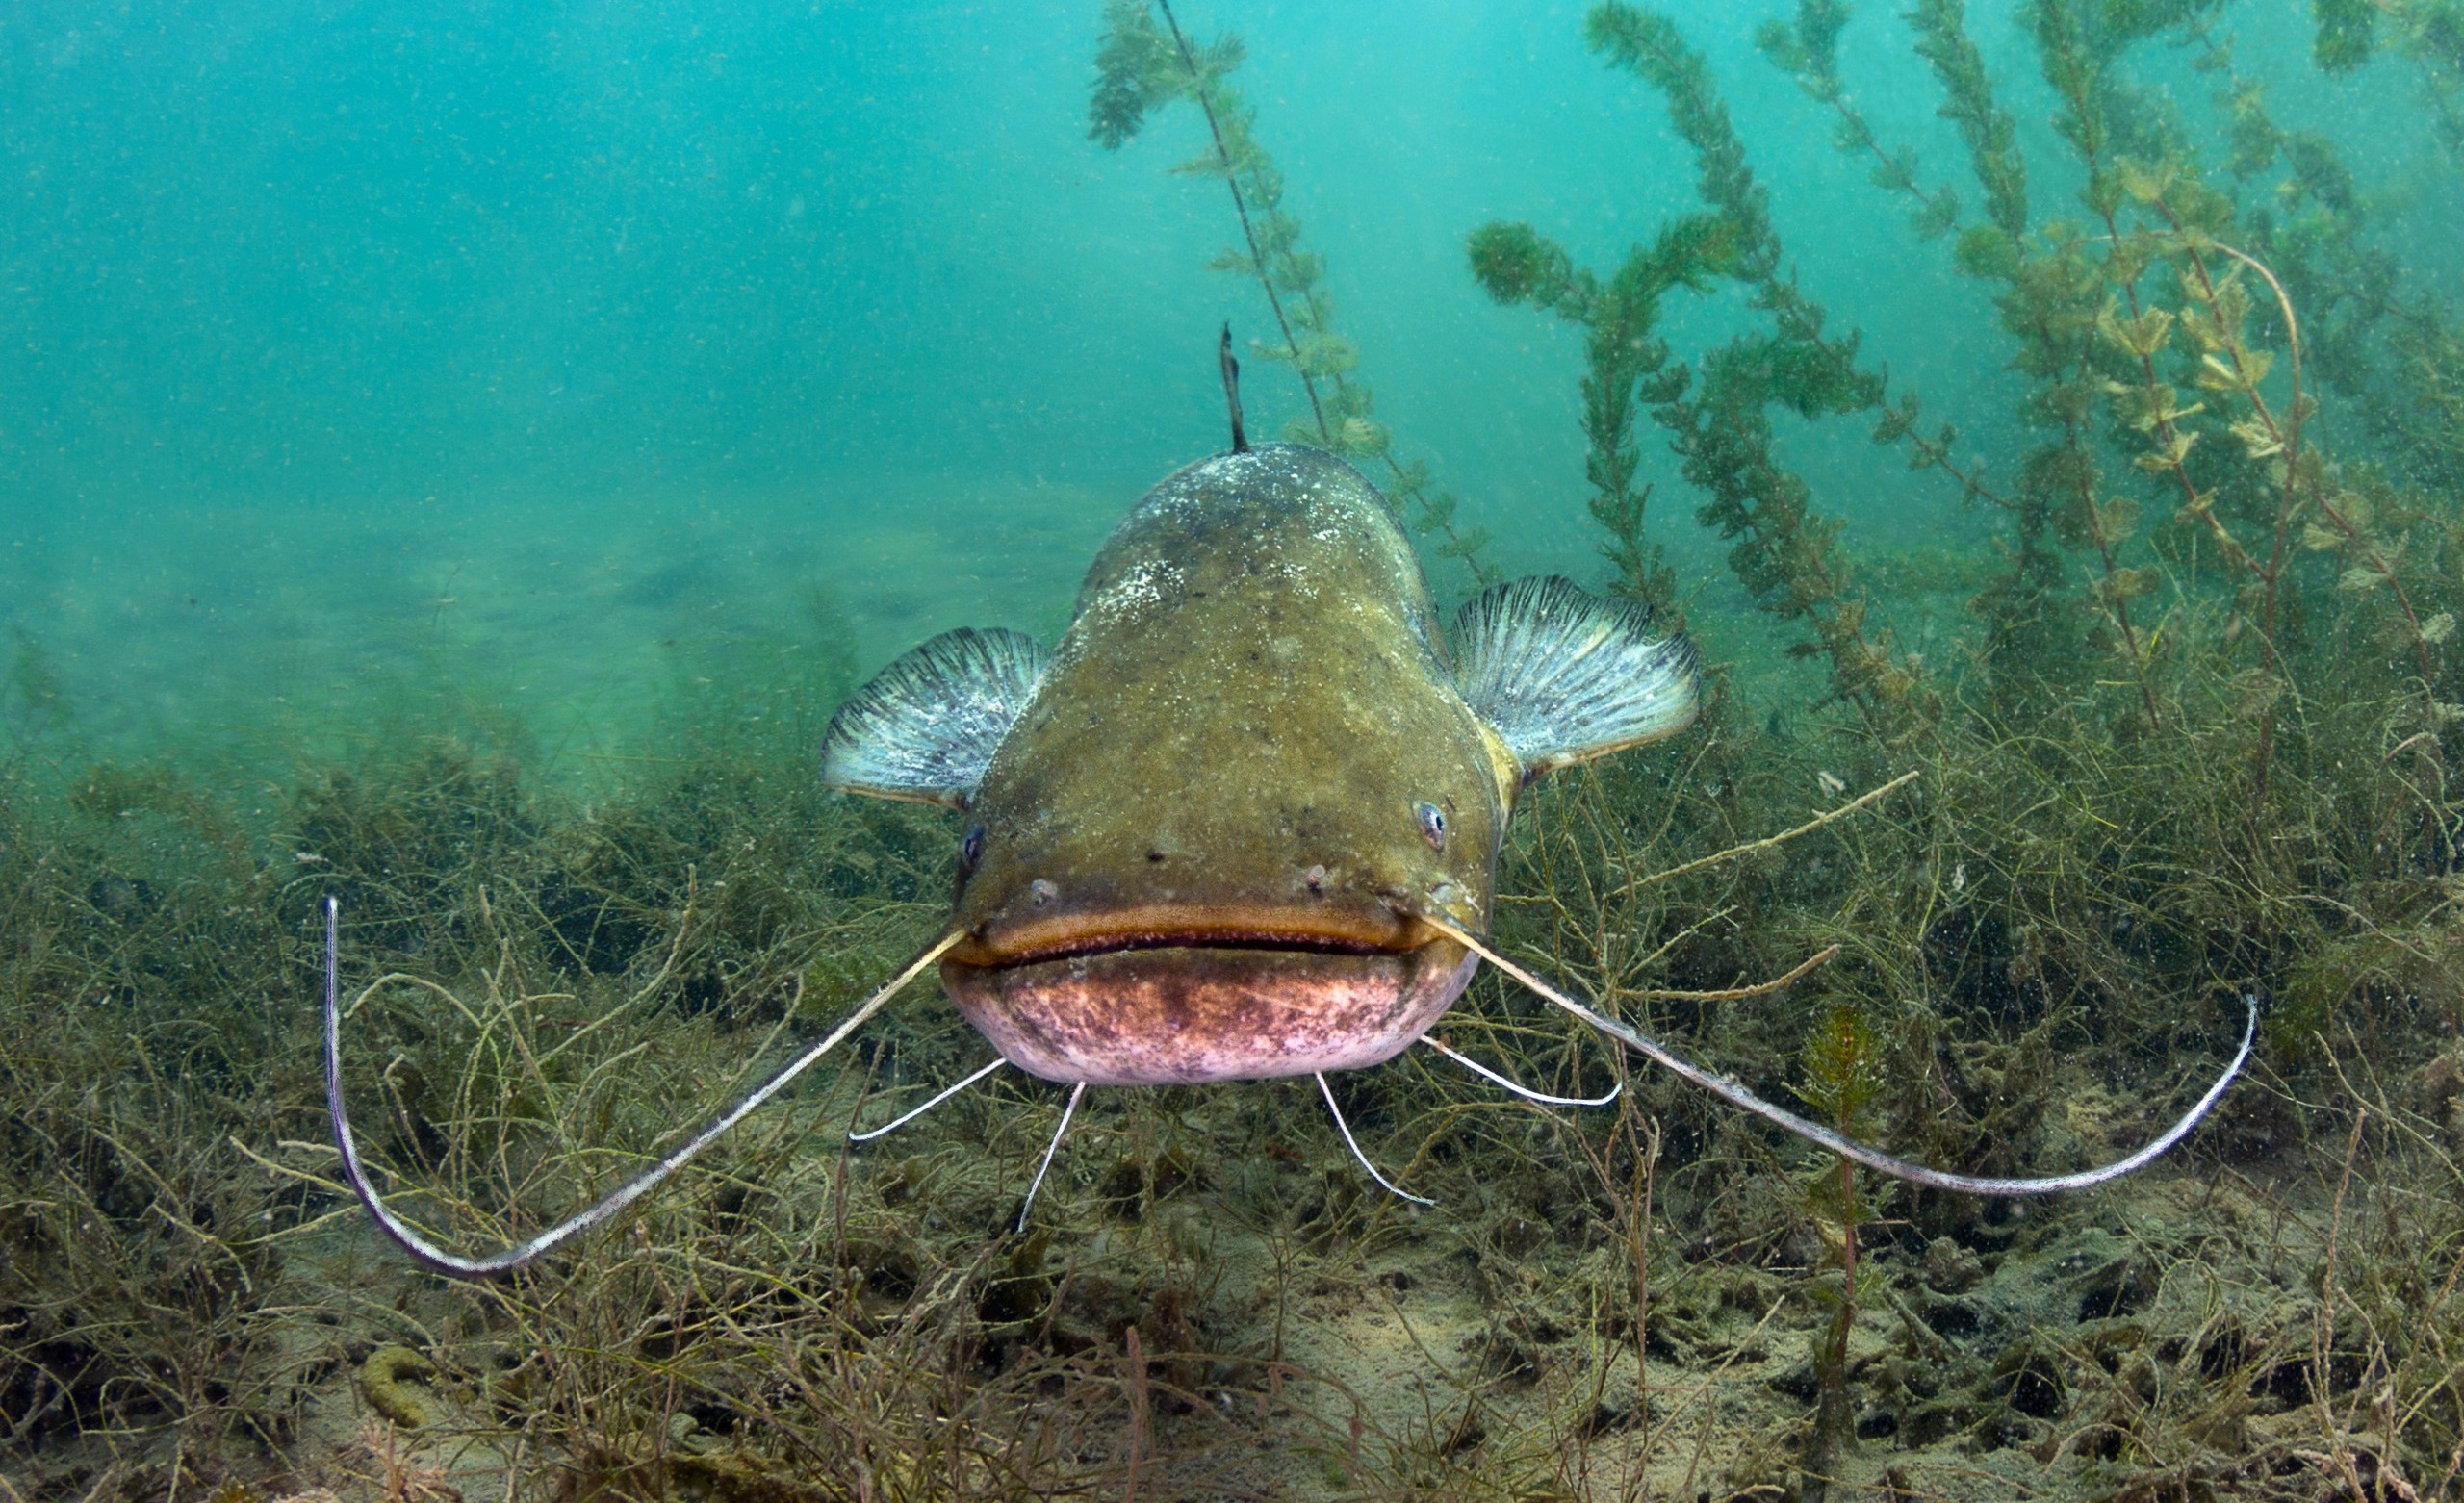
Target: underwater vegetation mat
{"points": [[1211, 1301]]}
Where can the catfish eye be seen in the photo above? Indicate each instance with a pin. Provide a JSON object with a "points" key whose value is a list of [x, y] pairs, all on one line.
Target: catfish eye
{"points": [[1432, 825], [971, 848]]}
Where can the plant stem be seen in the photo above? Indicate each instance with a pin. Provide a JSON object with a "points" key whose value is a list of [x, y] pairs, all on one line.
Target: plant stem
{"points": [[1457, 544], [2119, 604], [1241, 207]]}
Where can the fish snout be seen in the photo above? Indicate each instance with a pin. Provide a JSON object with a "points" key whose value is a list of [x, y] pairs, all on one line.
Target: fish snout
{"points": [[1190, 1013]]}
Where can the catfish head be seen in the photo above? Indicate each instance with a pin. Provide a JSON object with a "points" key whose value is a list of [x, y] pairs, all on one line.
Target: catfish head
{"points": [[1206, 839]]}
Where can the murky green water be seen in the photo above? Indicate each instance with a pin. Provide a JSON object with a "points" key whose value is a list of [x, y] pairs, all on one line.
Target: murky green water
{"points": [[534, 349]]}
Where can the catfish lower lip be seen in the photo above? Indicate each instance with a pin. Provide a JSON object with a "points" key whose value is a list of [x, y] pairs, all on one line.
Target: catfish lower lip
{"points": [[1174, 1016], [1171, 939]]}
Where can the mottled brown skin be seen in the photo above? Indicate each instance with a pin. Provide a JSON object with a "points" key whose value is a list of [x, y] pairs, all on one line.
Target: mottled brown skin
{"points": [[1202, 855]]}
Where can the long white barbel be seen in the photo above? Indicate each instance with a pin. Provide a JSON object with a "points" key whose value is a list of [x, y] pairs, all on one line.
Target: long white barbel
{"points": [[1353, 1143], [1050, 1149], [504, 1261], [895, 1123], [1520, 1089], [1874, 1158]]}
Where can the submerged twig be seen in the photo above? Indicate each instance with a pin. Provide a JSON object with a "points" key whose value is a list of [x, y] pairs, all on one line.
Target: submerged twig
{"points": [[1820, 958], [1783, 837]]}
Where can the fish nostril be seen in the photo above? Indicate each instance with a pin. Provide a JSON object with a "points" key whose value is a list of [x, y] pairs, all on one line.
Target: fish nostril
{"points": [[1041, 892], [1314, 878], [1432, 825]]}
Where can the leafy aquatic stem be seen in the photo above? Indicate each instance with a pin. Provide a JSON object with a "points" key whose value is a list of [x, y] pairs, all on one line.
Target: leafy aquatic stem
{"points": [[1784, 553], [2370, 333], [2046, 302], [2241, 372], [1808, 51], [1986, 130], [2285, 438], [1204, 84], [1844, 1076], [1935, 453], [2225, 365], [2157, 414], [1984, 126], [1141, 66], [2048, 295], [2228, 366], [2117, 584], [1514, 263], [2428, 31]]}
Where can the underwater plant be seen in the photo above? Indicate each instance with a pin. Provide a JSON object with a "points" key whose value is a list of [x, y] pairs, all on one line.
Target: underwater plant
{"points": [[2239, 619], [2430, 33], [1845, 1076], [1139, 67], [1720, 422], [1515, 265]]}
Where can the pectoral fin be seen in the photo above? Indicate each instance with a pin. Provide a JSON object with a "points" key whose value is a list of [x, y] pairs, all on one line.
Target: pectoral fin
{"points": [[1563, 675], [927, 726]]}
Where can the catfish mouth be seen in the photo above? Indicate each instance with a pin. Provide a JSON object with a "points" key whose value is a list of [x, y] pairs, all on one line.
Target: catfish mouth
{"points": [[1129, 943], [1349, 930], [1143, 1004]]}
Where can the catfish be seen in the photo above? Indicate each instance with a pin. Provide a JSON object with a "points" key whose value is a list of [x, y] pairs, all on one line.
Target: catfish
{"points": [[1243, 822]]}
